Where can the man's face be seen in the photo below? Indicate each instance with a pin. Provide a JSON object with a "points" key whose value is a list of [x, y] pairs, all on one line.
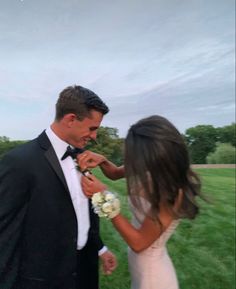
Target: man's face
{"points": [[80, 132]]}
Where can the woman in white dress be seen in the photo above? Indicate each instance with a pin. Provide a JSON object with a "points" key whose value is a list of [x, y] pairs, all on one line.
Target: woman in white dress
{"points": [[162, 189]]}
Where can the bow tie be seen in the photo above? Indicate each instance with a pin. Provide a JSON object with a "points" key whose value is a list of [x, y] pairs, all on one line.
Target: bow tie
{"points": [[71, 152]]}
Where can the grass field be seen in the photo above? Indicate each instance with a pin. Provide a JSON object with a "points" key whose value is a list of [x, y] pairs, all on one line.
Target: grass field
{"points": [[203, 250]]}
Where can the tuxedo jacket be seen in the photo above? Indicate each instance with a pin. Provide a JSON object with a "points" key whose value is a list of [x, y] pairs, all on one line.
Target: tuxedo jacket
{"points": [[38, 225]]}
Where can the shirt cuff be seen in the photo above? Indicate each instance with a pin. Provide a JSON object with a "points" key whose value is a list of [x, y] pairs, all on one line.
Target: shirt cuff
{"points": [[103, 250]]}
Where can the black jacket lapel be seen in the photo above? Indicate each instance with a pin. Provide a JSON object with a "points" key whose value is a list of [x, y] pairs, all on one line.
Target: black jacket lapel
{"points": [[51, 157]]}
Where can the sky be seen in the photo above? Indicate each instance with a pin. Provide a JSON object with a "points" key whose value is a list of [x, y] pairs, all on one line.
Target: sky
{"points": [[175, 58]]}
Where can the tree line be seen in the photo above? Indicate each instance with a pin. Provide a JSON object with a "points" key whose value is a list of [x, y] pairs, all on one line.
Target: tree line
{"points": [[211, 145], [206, 144]]}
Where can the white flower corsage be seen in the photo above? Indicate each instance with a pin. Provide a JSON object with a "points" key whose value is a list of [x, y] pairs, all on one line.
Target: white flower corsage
{"points": [[106, 204]]}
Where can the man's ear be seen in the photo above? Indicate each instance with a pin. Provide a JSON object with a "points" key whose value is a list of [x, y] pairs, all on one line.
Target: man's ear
{"points": [[69, 119]]}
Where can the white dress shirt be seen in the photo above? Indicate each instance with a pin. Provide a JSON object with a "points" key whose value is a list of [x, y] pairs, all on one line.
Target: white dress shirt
{"points": [[73, 177]]}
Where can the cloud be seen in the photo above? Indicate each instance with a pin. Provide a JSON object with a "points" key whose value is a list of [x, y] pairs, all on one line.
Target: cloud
{"points": [[172, 57]]}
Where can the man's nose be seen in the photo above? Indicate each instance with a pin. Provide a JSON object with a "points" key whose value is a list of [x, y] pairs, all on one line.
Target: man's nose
{"points": [[93, 135]]}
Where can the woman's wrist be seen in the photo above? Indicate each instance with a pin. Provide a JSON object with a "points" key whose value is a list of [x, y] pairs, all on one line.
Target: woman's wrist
{"points": [[104, 163]]}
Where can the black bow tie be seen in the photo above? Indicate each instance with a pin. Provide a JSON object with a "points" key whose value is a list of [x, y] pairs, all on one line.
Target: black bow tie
{"points": [[71, 152]]}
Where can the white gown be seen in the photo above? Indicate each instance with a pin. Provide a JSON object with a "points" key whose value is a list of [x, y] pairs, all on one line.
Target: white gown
{"points": [[152, 268]]}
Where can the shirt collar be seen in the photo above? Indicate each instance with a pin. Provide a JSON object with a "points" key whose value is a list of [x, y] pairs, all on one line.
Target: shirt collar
{"points": [[58, 144]]}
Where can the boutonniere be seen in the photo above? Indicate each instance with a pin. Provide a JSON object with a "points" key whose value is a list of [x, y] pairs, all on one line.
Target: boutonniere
{"points": [[84, 172]]}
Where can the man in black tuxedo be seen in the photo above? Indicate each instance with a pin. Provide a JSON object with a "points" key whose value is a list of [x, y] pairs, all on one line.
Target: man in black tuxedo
{"points": [[49, 235]]}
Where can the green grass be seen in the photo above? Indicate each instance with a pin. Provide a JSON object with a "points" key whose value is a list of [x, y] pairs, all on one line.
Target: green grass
{"points": [[203, 250]]}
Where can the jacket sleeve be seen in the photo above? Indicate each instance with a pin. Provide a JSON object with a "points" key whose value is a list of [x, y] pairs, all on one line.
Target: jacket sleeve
{"points": [[94, 234]]}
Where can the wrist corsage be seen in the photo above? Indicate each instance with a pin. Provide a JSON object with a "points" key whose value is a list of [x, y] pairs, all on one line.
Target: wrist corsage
{"points": [[106, 204]]}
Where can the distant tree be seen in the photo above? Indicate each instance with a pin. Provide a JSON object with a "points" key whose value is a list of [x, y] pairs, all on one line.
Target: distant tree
{"points": [[201, 141], [112, 132], [224, 154], [4, 139], [108, 144], [227, 134], [6, 145]]}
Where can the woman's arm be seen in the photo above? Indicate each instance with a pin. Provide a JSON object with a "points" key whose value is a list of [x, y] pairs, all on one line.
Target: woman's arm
{"points": [[142, 238], [88, 160], [111, 171], [138, 239]]}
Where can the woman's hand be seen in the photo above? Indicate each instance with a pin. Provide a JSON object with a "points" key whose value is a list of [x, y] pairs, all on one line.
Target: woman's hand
{"points": [[90, 185], [89, 160]]}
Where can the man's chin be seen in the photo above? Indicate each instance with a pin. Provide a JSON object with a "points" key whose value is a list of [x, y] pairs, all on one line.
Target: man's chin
{"points": [[82, 145], [79, 146]]}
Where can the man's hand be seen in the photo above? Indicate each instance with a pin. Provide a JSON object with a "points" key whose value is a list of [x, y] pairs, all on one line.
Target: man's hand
{"points": [[89, 160], [90, 185], [109, 262]]}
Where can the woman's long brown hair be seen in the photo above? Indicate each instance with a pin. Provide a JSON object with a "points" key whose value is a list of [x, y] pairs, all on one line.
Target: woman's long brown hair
{"points": [[157, 167]]}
